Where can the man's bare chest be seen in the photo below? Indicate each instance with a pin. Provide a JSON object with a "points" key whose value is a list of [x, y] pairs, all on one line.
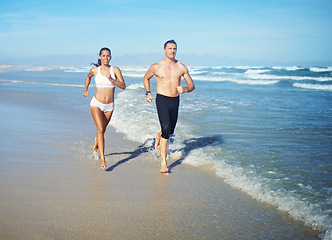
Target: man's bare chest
{"points": [[169, 74]]}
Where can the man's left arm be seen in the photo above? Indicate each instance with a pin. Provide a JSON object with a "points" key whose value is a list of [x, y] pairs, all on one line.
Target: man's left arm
{"points": [[190, 84]]}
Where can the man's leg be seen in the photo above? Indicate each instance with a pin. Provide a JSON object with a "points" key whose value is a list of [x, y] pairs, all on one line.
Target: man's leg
{"points": [[164, 143], [157, 137]]}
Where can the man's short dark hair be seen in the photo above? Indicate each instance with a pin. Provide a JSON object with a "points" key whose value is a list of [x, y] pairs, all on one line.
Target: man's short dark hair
{"points": [[169, 41]]}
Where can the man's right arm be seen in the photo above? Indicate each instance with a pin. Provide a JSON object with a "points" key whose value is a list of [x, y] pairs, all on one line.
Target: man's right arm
{"points": [[146, 82]]}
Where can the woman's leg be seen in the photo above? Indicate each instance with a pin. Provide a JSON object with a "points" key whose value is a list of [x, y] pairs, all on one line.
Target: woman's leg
{"points": [[108, 116], [101, 120]]}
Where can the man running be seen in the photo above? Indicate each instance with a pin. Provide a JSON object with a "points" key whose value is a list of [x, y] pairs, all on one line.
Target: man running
{"points": [[168, 73]]}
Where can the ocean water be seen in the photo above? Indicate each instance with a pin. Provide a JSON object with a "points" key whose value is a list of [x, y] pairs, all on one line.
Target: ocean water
{"points": [[264, 130]]}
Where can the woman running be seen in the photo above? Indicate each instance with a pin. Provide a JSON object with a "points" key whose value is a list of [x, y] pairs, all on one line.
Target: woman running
{"points": [[102, 104]]}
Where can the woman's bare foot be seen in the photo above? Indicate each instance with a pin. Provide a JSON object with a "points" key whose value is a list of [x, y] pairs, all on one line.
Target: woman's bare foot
{"points": [[164, 168], [95, 147], [157, 137], [95, 155], [103, 164]]}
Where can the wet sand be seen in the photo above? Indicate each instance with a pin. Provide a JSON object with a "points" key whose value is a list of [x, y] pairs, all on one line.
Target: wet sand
{"points": [[51, 188]]}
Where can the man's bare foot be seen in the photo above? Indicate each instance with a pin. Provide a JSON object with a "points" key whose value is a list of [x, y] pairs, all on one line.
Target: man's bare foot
{"points": [[95, 147], [157, 137], [164, 168]]}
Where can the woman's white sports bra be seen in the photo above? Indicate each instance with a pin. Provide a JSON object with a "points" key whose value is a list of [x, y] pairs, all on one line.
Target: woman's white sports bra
{"points": [[102, 81]]}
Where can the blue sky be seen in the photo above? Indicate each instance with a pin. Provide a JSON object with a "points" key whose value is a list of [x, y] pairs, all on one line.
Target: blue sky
{"points": [[272, 30]]}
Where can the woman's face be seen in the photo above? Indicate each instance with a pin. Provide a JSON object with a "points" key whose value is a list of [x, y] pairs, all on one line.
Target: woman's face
{"points": [[105, 57]]}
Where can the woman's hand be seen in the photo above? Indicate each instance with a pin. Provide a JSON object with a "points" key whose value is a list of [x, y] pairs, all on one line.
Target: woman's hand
{"points": [[111, 79], [85, 93]]}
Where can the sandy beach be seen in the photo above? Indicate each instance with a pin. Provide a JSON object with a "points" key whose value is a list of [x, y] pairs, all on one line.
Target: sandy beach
{"points": [[51, 188]]}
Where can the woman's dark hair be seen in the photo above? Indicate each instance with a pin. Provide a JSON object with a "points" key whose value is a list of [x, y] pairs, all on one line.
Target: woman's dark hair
{"points": [[99, 62]]}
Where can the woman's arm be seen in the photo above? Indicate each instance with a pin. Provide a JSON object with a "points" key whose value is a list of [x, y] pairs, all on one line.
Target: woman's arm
{"points": [[119, 81], [87, 82]]}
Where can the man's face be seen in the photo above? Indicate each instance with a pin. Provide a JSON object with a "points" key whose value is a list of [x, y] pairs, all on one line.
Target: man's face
{"points": [[170, 50]]}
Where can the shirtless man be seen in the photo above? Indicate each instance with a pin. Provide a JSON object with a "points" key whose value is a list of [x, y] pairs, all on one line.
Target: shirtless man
{"points": [[168, 73]]}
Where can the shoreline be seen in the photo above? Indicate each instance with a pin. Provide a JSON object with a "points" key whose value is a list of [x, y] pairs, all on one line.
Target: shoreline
{"points": [[5, 66], [52, 188]]}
